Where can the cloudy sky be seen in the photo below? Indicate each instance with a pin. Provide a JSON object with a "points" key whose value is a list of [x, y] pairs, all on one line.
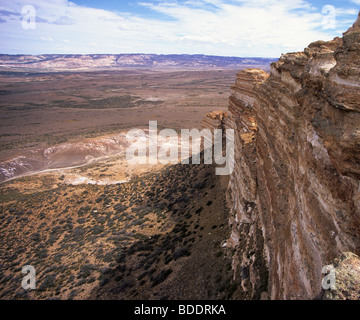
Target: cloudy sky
{"points": [[243, 28]]}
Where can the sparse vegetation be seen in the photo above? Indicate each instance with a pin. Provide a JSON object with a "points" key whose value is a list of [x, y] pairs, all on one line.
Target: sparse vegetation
{"points": [[100, 241]]}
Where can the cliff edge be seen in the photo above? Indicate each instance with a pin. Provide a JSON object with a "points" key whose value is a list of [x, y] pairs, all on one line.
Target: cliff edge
{"points": [[295, 193]]}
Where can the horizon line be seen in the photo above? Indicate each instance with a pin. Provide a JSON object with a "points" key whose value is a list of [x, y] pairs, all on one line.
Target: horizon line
{"points": [[138, 53]]}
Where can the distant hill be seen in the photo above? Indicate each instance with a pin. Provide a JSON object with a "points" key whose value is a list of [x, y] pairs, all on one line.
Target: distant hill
{"points": [[73, 62]]}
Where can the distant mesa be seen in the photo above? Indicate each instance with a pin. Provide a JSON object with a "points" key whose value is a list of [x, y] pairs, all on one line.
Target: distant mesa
{"points": [[73, 62]]}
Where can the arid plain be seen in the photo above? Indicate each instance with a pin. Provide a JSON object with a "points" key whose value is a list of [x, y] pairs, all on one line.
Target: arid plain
{"points": [[44, 109], [107, 229]]}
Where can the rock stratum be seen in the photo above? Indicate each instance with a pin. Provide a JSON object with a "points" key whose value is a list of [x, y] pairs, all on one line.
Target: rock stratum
{"points": [[294, 194]]}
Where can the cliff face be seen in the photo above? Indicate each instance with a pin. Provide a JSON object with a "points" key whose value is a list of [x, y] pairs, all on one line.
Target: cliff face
{"points": [[295, 192]]}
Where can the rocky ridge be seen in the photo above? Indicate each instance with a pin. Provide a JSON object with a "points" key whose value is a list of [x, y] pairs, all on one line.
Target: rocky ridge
{"points": [[295, 193]]}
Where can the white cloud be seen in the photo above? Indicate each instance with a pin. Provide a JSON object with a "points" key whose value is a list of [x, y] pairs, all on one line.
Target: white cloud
{"points": [[64, 20], [347, 11], [256, 23], [46, 38], [239, 28]]}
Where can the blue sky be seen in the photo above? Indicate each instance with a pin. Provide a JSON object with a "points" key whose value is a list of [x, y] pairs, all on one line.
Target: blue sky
{"points": [[243, 28]]}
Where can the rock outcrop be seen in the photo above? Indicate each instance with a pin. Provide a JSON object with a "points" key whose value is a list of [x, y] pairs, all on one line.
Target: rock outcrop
{"points": [[214, 120], [295, 193]]}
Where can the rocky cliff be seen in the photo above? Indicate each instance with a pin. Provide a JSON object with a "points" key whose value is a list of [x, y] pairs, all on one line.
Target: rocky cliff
{"points": [[295, 193]]}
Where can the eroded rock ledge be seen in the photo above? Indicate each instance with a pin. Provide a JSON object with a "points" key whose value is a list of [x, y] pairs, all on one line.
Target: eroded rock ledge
{"points": [[295, 194]]}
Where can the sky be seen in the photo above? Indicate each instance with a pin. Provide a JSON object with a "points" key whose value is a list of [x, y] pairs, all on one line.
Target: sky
{"points": [[241, 28]]}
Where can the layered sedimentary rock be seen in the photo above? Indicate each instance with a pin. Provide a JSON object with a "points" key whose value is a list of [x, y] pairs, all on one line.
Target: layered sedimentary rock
{"points": [[214, 120], [295, 194]]}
